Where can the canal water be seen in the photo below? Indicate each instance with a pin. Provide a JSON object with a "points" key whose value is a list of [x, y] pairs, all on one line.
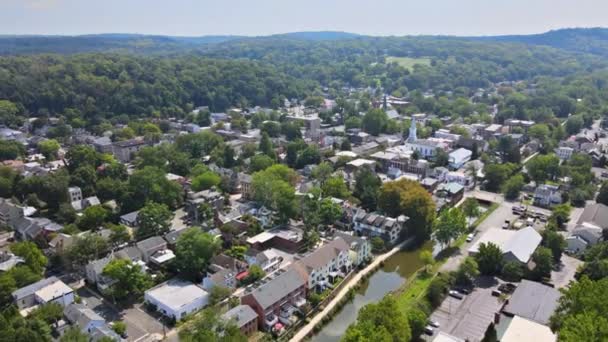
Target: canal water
{"points": [[391, 276]]}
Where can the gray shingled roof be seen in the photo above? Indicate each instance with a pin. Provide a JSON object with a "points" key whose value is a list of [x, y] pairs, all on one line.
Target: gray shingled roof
{"points": [[30, 289], [533, 301], [323, 255], [81, 315], [241, 315], [277, 288], [596, 214], [150, 243]]}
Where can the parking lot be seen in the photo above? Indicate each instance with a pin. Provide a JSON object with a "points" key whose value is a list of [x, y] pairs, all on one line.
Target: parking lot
{"points": [[140, 325], [468, 318]]}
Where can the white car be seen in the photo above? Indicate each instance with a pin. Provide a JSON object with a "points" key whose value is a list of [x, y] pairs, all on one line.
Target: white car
{"points": [[434, 324], [470, 237]]}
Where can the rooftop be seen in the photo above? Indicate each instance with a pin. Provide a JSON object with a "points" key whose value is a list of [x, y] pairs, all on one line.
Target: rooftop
{"points": [[279, 287], [521, 329], [241, 315], [53, 291], [176, 293], [521, 243], [533, 301]]}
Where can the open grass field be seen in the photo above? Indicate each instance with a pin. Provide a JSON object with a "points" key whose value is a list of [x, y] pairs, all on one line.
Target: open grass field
{"points": [[408, 62]]}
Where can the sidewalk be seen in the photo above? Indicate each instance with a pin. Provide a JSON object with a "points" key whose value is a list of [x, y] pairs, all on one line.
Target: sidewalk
{"points": [[307, 329]]}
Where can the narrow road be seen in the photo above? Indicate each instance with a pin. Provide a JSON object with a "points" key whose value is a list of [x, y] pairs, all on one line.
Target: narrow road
{"points": [[302, 333]]}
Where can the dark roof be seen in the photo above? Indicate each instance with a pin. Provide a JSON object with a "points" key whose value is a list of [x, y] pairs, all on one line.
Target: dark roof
{"points": [[533, 301], [151, 243]]}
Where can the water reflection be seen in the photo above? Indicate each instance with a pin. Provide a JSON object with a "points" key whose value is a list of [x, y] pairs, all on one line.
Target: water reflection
{"points": [[392, 275]]}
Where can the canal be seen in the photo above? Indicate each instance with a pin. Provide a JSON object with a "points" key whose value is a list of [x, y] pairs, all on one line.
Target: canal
{"points": [[391, 276]]}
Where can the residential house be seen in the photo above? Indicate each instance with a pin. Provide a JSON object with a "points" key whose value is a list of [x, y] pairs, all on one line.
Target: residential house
{"points": [[94, 273], [42, 292], [276, 296], [194, 200], [516, 245], [125, 150], [375, 224], [83, 317], [589, 228], [448, 194], [244, 318], [287, 238], [533, 301], [222, 278], [268, 260], [177, 298], [150, 246], [360, 248], [130, 219], [75, 194], [547, 195], [9, 260], [103, 145], [459, 157], [245, 184], [324, 264], [564, 152]]}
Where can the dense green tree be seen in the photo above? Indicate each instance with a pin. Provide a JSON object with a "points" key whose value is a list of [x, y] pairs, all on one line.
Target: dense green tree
{"points": [[150, 184], [49, 148], [543, 260], [85, 248], [119, 234], [602, 195], [489, 258], [543, 167], [374, 122], [205, 181], [467, 272], [210, 327], [154, 219], [130, 280], [382, 321], [470, 207], [260, 162], [450, 224], [31, 254], [92, 218], [512, 187], [273, 188], [554, 242], [512, 271], [266, 146], [335, 187], [11, 150], [367, 185], [193, 250], [409, 198], [574, 124], [582, 297]]}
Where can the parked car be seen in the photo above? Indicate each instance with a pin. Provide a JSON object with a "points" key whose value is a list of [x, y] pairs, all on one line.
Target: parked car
{"points": [[507, 288], [470, 237], [429, 330], [463, 290], [455, 294], [604, 174], [434, 324], [496, 293]]}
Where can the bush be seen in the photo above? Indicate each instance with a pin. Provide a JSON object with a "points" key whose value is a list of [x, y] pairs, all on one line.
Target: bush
{"points": [[512, 271], [378, 245]]}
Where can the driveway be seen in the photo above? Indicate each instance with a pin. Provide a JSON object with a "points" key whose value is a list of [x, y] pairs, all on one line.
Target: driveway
{"points": [[565, 274], [140, 325], [178, 223], [468, 318]]}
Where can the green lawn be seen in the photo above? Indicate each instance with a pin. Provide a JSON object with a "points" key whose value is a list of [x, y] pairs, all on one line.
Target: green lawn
{"points": [[408, 62]]}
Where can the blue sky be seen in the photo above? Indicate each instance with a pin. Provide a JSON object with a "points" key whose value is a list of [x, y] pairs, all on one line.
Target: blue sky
{"points": [[262, 17]]}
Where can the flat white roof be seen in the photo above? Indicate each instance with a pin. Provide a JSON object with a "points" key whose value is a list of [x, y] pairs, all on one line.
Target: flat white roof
{"points": [[176, 293], [361, 162], [53, 291], [260, 238], [521, 329]]}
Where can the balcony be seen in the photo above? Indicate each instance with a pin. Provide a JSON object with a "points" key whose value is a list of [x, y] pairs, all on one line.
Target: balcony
{"points": [[270, 320]]}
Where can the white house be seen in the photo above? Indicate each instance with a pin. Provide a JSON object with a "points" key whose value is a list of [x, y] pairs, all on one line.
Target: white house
{"points": [[177, 298], [589, 228], [326, 263], [516, 245], [459, 157], [42, 292], [375, 224], [360, 248], [547, 195]]}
